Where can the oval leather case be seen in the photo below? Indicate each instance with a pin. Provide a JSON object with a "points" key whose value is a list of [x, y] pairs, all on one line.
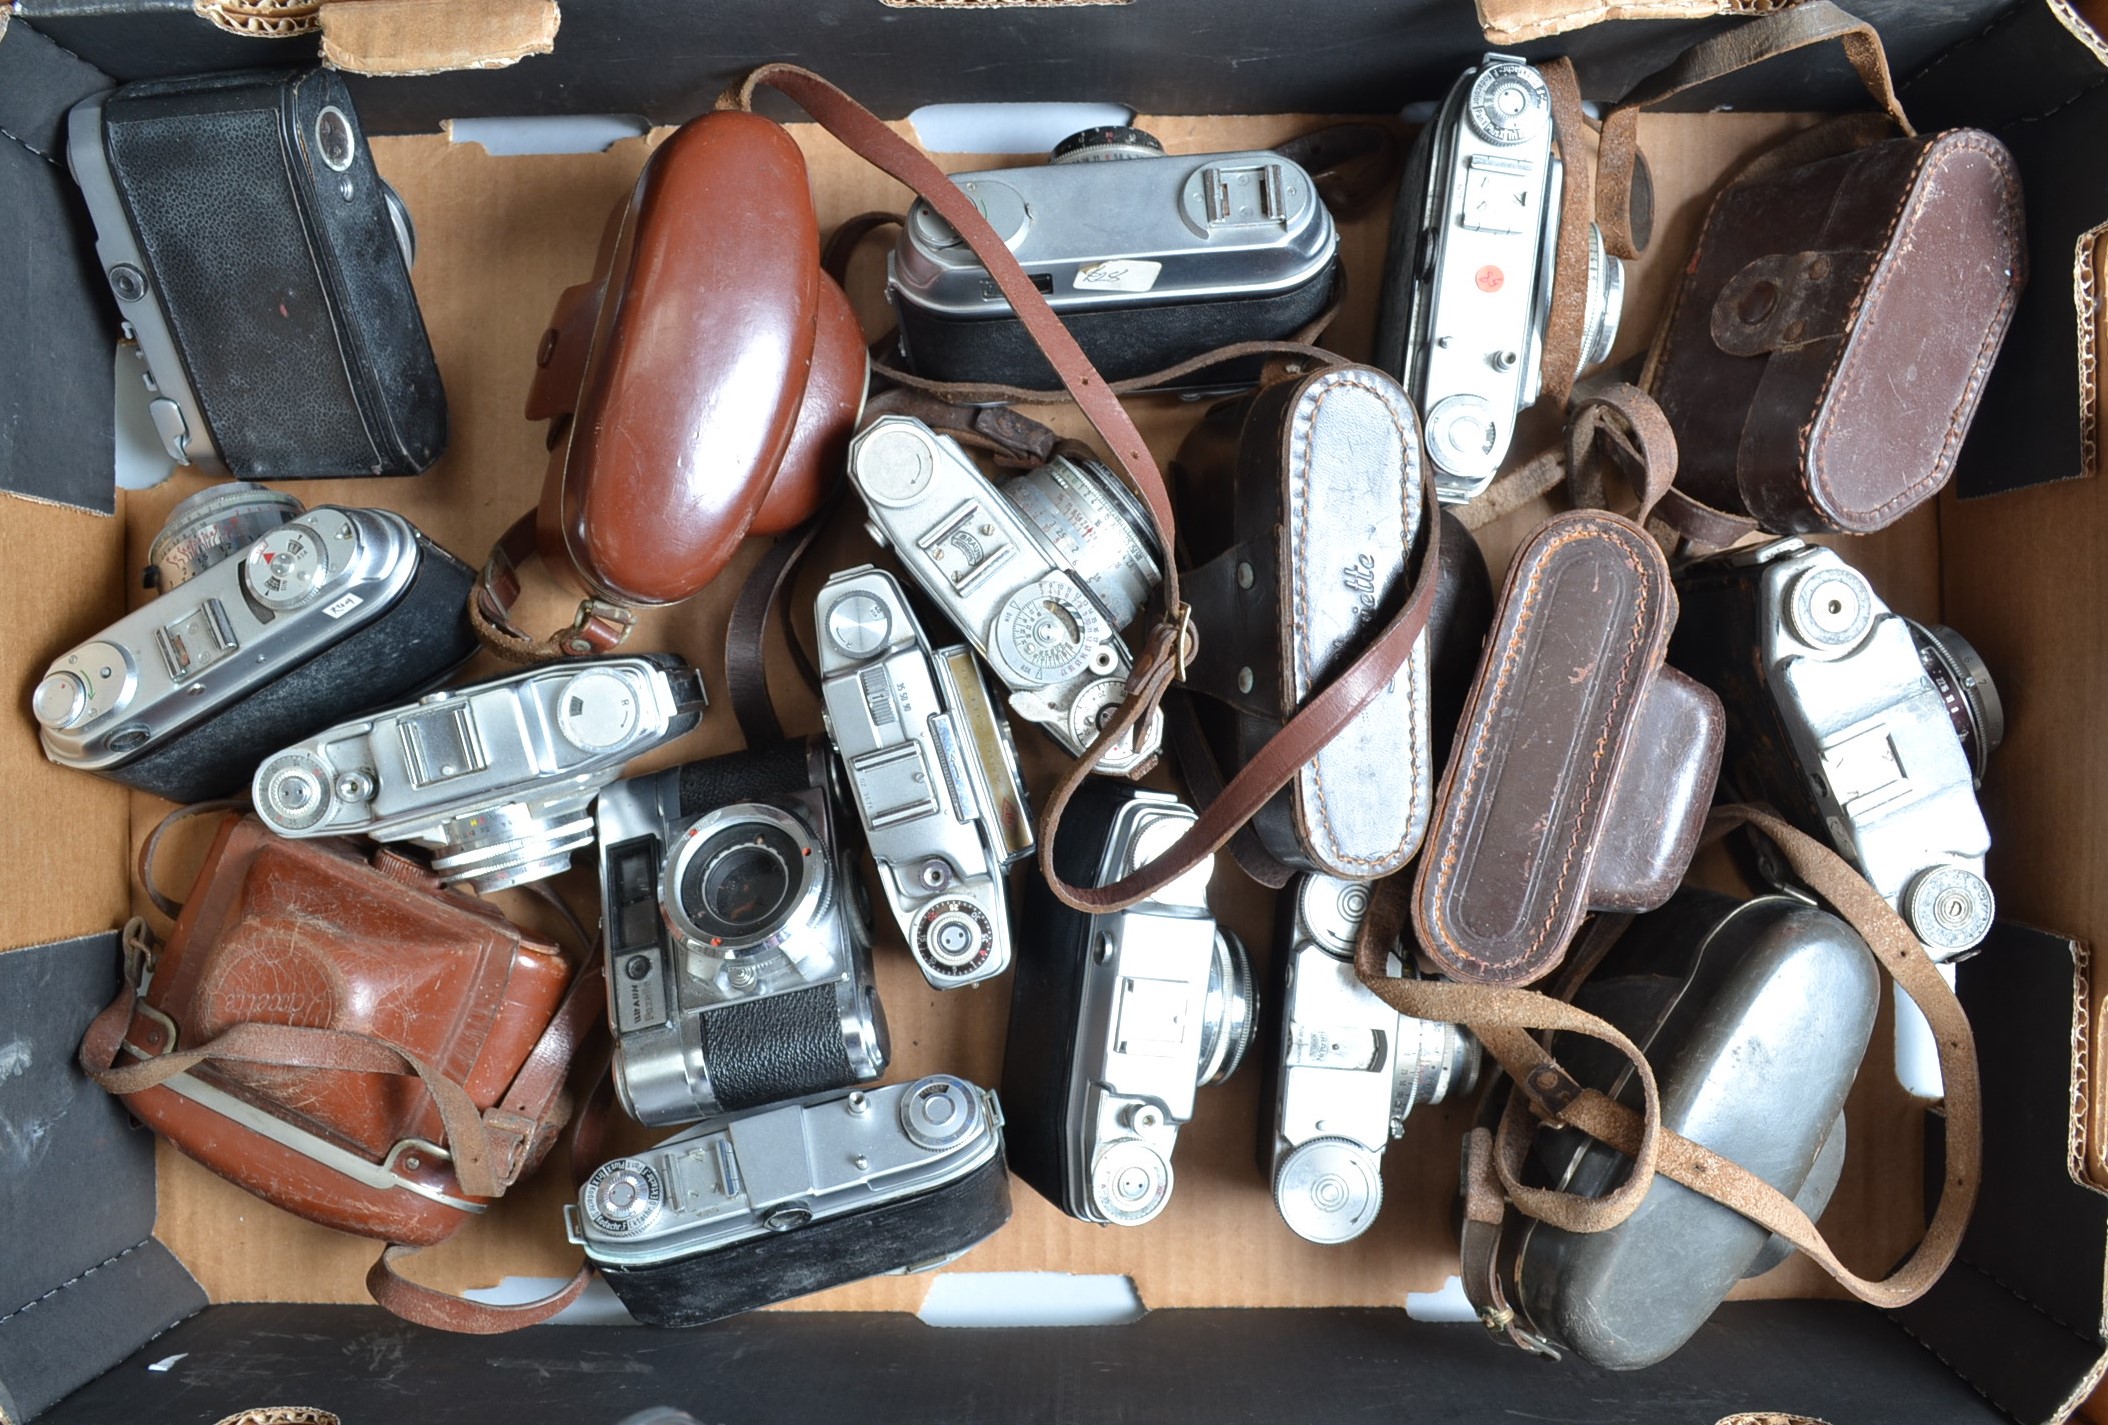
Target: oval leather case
{"points": [[1583, 768], [711, 373], [1300, 506], [304, 933]]}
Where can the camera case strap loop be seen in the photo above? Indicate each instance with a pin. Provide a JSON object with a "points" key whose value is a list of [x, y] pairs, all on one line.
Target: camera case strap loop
{"points": [[1507, 1020]]}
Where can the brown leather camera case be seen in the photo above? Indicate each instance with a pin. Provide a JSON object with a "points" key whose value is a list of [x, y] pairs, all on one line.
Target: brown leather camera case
{"points": [[1823, 359], [1304, 501], [305, 933], [1583, 769], [706, 381]]}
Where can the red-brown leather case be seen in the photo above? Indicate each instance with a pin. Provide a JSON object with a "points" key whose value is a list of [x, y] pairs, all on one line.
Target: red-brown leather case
{"points": [[706, 380], [1824, 356], [305, 933], [1584, 767]]}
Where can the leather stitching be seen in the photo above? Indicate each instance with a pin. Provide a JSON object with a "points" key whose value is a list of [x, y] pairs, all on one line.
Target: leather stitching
{"points": [[74, 1280], [1306, 423], [1538, 26], [2086, 297], [1814, 458], [1645, 614]]}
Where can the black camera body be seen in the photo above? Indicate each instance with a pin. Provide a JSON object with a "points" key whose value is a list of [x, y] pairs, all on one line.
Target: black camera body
{"points": [[262, 265], [739, 948], [263, 641]]}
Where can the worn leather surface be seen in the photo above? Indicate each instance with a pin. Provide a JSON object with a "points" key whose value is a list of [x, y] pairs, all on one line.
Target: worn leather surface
{"points": [[304, 933], [775, 1048], [705, 330], [1312, 484], [778, 1266], [1574, 785], [291, 306], [1825, 354]]}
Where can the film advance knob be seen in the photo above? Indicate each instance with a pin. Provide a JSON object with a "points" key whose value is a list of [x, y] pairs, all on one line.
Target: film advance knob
{"points": [[1329, 1190], [940, 1111], [858, 624], [1508, 104], [624, 1196], [60, 701]]}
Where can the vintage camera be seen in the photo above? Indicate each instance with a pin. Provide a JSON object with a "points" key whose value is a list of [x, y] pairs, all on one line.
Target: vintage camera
{"points": [[1351, 1069], [1149, 258], [739, 952], [497, 779], [932, 771], [1116, 1020], [183, 696], [1858, 725], [1040, 572], [1468, 279], [1861, 727], [264, 269], [742, 1212]]}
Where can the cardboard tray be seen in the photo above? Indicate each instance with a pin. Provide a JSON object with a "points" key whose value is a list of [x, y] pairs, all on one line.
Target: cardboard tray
{"points": [[104, 1242]]}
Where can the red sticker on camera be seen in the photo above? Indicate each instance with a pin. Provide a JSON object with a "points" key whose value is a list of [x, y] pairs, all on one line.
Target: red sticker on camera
{"points": [[1490, 278]]}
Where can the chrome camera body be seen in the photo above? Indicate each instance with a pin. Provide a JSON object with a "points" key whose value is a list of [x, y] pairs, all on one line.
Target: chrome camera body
{"points": [[1040, 572], [271, 619], [1351, 1069], [1207, 249], [932, 771], [739, 955], [498, 778], [1468, 279], [742, 1212], [1859, 725], [1117, 1020]]}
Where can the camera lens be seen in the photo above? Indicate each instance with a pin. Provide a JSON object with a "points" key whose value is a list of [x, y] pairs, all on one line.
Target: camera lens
{"points": [[1965, 686], [742, 885], [1605, 304], [333, 138], [1228, 1012], [739, 875], [1096, 527]]}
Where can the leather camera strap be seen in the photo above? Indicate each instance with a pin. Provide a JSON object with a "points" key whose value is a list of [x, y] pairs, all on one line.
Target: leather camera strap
{"points": [[1168, 646], [1565, 328], [598, 627], [1504, 1017], [1812, 22], [746, 633]]}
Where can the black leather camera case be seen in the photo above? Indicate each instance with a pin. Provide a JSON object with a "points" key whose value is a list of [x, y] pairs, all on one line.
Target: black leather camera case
{"points": [[280, 277]]}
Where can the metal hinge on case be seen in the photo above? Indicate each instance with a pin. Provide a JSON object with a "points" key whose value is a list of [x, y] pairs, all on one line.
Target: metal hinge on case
{"points": [[619, 620], [140, 955]]}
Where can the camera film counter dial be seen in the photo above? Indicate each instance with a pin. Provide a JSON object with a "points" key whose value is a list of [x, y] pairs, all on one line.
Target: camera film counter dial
{"points": [[1509, 104]]}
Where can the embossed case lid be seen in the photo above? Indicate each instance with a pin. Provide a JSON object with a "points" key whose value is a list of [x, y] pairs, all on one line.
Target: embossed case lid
{"points": [[1583, 768], [1301, 507]]}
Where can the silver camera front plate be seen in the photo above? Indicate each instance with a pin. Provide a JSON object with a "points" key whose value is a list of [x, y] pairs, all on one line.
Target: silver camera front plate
{"points": [[930, 767], [1039, 578]]}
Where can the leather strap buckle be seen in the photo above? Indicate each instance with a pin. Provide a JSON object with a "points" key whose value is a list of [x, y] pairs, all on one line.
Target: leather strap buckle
{"points": [[597, 627], [1186, 642], [139, 954]]}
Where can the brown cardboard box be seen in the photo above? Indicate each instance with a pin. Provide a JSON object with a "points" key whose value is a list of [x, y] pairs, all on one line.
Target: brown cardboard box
{"points": [[499, 237]]}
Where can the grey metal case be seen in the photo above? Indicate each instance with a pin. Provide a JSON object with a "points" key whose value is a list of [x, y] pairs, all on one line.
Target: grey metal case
{"points": [[1755, 1016]]}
